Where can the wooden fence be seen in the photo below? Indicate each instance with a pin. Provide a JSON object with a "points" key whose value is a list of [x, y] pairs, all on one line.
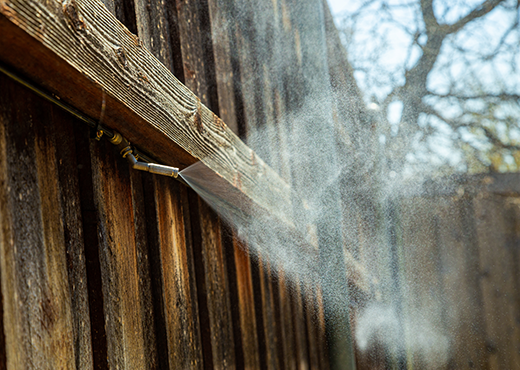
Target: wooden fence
{"points": [[448, 264], [104, 267]]}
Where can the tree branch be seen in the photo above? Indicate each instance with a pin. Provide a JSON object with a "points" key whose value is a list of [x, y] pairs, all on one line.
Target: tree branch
{"points": [[429, 16], [490, 135], [502, 96], [482, 10]]}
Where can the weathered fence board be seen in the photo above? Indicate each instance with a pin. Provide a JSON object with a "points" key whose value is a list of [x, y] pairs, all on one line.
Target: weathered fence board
{"points": [[455, 252], [229, 101], [118, 257], [268, 315], [459, 264], [499, 288], [73, 237], [168, 120], [173, 266], [286, 318], [217, 290], [246, 306], [40, 328], [172, 254]]}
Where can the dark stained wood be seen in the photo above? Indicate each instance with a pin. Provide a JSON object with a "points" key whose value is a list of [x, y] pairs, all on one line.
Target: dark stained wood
{"points": [[255, 45], [199, 75], [246, 304], [89, 216], [155, 30], [143, 99], [321, 330], [173, 265], [221, 20], [299, 322], [269, 320], [41, 332], [311, 313], [146, 310], [221, 326], [66, 154], [286, 294], [226, 76], [126, 310], [196, 51]]}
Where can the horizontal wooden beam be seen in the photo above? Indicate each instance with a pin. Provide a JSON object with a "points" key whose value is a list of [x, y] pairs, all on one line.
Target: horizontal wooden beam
{"points": [[83, 54], [79, 51]]}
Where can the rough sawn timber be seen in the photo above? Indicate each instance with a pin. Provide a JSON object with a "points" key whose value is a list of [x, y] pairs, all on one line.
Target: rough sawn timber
{"points": [[81, 51]]}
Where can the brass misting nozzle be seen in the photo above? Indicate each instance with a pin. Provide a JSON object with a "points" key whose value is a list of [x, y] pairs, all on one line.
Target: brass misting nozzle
{"points": [[127, 152]]}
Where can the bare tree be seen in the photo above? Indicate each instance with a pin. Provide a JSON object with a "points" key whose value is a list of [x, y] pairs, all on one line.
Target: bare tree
{"points": [[445, 76]]}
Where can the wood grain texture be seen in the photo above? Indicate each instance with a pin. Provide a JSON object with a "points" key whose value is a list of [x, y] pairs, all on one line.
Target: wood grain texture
{"points": [[322, 334], [84, 51], [269, 326], [175, 289], [222, 21], [66, 154], [175, 276], [286, 293], [126, 309], [226, 72], [248, 324], [216, 284], [199, 75], [299, 322], [311, 316], [41, 331]]}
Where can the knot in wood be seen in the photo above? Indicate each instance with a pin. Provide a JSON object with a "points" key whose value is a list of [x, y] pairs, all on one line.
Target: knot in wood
{"points": [[70, 9], [121, 57]]}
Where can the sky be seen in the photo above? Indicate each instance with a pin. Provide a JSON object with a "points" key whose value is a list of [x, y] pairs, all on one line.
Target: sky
{"points": [[337, 6]]}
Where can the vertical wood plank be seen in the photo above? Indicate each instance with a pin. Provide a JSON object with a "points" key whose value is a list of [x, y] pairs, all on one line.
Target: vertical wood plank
{"points": [[246, 304], [498, 284], [423, 304], [39, 326], [323, 351], [221, 14], [197, 51], [311, 316], [124, 307], [222, 344], [460, 272], [288, 334], [199, 75], [177, 324], [255, 45], [223, 21], [299, 328], [157, 29], [73, 236], [173, 264], [268, 314], [146, 312]]}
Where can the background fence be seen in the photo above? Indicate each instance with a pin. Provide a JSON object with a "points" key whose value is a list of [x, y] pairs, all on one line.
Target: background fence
{"points": [[444, 277]]}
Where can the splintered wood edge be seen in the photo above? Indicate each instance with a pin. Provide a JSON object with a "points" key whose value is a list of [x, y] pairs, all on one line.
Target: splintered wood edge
{"points": [[80, 51]]}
